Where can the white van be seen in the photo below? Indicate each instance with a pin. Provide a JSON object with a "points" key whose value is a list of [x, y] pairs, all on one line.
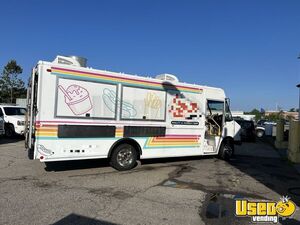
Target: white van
{"points": [[76, 112], [14, 119]]}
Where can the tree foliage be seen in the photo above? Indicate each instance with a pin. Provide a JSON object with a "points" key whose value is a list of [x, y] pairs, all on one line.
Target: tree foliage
{"points": [[256, 112], [292, 110], [275, 116], [11, 85]]}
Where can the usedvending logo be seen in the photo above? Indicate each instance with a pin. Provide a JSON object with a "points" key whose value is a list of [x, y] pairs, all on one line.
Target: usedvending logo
{"points": [[265, 211]]}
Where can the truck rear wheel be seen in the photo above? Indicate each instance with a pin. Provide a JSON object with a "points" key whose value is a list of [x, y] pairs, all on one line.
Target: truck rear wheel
{"points": [[124, 157], [9, 130], [226, 150]]}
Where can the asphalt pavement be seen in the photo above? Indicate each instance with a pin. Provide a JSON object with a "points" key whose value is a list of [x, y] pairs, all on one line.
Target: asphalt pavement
{"points": [[193, 190]]}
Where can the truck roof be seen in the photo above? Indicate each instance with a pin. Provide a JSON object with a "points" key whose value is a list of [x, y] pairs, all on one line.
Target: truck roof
{"points": [[209, 89]]}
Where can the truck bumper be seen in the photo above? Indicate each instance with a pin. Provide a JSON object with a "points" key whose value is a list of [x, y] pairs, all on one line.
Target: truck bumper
{"points": [[20, 130]]}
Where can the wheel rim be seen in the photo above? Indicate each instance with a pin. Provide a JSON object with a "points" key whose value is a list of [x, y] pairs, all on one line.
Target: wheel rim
{"points": [[125, 157], [228, 150], [259, 134], [8, 132]]}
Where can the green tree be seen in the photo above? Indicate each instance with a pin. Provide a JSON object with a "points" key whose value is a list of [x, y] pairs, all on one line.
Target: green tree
{"points": [[11, 85], [256, 112], [275, 116], [292, 110]]}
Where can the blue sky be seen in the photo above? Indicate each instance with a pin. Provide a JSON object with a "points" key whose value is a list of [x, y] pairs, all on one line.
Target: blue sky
{"points": [[249, 48]]}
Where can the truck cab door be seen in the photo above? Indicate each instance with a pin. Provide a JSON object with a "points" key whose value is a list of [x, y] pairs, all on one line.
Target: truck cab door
{"points": [[231, 128]]}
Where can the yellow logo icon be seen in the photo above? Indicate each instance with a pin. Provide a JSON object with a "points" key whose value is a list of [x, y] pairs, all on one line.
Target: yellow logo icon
{"points": [[265, 211], [285, 207]]}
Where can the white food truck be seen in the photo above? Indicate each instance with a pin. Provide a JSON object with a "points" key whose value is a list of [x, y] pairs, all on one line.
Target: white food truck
{"points": [[75, 112]]}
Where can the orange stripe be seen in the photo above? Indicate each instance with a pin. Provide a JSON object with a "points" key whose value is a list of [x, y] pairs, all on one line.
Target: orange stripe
{"points": [[176, 141], [174, 138], [173, 144], [46, 135], [48, 132], [46, 129]]}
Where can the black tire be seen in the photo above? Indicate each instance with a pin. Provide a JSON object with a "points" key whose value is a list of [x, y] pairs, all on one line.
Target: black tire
{"points": [[30, 153], [260, 133], [226, 150], [123, 157], [9, 130]]}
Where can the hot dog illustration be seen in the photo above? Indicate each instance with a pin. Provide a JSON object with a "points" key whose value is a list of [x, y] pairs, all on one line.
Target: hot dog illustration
{"points": [[110, 99]]}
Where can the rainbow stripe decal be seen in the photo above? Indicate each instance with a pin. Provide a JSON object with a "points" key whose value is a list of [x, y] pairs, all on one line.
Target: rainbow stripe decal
{"points": [[46, 131], [173, 141], [49, 132], [68, 73], [119, 132]]}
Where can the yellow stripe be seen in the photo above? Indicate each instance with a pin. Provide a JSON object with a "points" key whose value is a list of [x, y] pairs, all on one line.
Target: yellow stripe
{"points": [[46, 135], [44, 132]]}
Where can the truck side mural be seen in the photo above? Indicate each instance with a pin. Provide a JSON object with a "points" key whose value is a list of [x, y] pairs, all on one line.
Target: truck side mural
{"points": [[82, 113]]}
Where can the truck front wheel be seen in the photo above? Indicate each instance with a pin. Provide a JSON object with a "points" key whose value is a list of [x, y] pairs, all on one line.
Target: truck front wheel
{"points": [[123, 157], [226, 150]]}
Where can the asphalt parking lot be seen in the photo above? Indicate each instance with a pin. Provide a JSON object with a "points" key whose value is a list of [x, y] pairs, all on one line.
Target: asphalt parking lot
{"points": [[199, 190]]}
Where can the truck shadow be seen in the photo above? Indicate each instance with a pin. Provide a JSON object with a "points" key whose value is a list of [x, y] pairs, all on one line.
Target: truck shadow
{"points": [[173, 159], [81, 220], [76, 164], [102, 163], [275, 173], [5, 140]]}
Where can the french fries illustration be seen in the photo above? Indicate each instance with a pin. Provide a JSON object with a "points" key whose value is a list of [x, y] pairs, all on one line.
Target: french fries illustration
{"points": [[152, 104]]}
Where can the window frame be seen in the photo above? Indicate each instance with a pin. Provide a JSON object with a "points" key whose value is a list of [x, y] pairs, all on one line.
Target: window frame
{"points": [[148, 120], [84, 117]]}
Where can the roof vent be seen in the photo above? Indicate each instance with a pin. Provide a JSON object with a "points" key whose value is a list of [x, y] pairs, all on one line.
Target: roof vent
{"points": [[71, 60], [168, 77]]}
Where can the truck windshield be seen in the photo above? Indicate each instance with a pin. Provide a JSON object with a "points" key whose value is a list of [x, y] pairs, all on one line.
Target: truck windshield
{"points": [[215, 106], [13, 111]]}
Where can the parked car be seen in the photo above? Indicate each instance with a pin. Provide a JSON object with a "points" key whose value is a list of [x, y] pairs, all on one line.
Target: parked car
{"points": [[264, 127], [14, 119], [1, 126], [247, 130], [260, 131]]}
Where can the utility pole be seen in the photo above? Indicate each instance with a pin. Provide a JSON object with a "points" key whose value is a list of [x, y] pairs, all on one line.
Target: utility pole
{"points": [[298, 86]]}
